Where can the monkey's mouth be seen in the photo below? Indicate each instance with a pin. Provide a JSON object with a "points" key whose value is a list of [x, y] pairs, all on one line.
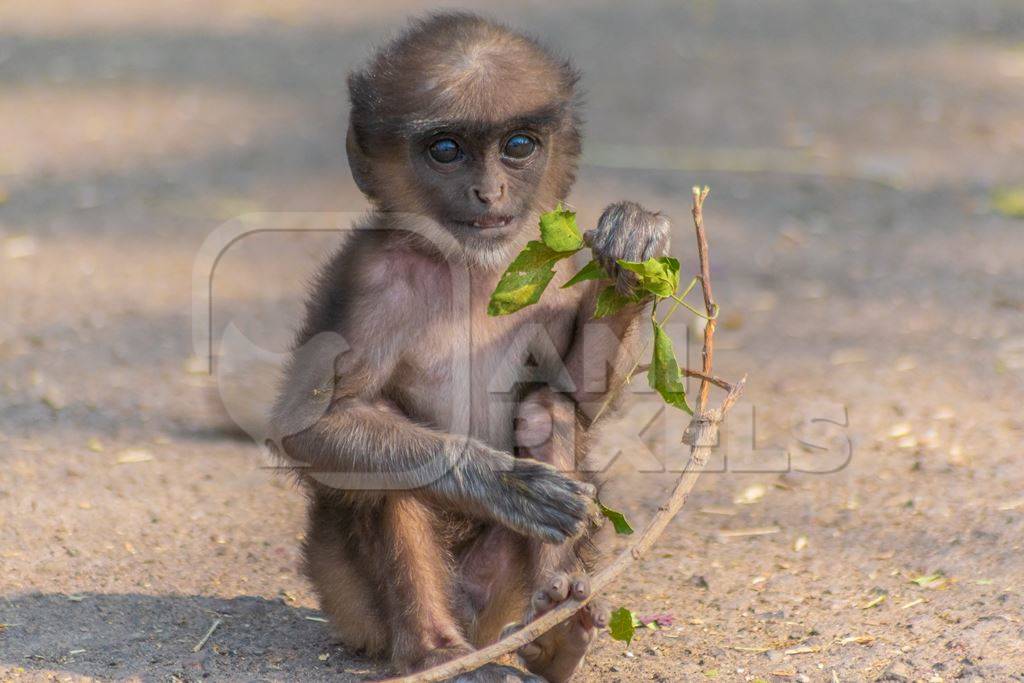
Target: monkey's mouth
{"points": [[489, 222]]}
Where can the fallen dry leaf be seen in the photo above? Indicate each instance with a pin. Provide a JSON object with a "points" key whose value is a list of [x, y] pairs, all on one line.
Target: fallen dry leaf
{"points": [[717, 510], [936, 580], [132, 455], [860, 640], [752, 531], [899, 429], [876, 602], [847, 356], [751, 494]]}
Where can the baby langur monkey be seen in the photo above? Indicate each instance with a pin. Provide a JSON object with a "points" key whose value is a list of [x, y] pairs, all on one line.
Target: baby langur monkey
{"points": [[441, 447]]}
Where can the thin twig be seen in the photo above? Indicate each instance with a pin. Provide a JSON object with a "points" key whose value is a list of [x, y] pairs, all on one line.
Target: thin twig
{"points": [[701, 435], [202, 641], [717, 381], [699, 196]]}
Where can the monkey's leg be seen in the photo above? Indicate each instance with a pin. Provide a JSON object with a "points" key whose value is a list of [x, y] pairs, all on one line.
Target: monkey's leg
{"points": [[331, 561], [381, 591], [414, 575], [417, 582], [547, 429], [384, 579]]}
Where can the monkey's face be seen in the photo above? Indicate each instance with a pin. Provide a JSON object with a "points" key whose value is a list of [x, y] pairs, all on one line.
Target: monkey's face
{"points": [[481, 183], [467, 124]]}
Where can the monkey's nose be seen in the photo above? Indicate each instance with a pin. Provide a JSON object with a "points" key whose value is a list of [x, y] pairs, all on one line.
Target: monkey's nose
{"points": [[490, 195]]}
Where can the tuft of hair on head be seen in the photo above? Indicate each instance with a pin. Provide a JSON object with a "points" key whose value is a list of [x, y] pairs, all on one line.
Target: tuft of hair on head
{"points": [[458, 66]]}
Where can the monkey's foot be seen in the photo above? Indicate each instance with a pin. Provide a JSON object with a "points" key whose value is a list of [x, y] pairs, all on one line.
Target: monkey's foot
{"points": [[496, 673], [556, 654]]}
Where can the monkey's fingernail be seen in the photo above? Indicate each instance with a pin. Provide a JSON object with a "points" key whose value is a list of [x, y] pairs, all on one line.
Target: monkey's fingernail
{"points": [[580, 587], [588, 490], [558, 589]]}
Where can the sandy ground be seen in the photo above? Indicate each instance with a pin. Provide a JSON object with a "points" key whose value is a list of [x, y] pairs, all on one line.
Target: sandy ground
{"points": [[868, 287]]}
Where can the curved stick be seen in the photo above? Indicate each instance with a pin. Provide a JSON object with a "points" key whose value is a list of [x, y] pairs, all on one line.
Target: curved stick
{"points": [[701, 434]]}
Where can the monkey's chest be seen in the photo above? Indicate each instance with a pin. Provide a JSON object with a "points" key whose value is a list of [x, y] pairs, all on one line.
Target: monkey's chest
{"points": [[467, 379]]}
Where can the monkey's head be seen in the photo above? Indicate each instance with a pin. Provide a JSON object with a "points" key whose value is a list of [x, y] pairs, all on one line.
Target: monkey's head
{"points": [[469, 124]]}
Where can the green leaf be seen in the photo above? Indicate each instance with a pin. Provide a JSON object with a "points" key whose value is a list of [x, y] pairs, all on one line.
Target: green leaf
{"points": [[609, 301], [535, 255], [663, 375], [621, 625], [1009, 202], [591, 271], [559, 232], [658, 276], [518, 290], [525, 279], [617, 519]]}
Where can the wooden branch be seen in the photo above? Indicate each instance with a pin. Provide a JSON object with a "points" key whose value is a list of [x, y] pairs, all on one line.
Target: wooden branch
{"points": [[701, 435], [710, 306], [717, 381]]}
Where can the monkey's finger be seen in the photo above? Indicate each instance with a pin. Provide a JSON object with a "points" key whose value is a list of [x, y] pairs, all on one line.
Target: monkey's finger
{"points": [[625, 281], [588, 237], [656, 246], [557, 588], [579, 586], [541, 603]]}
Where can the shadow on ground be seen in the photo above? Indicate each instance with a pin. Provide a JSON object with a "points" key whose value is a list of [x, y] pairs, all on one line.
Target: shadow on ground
{"points": [[154, 638]]}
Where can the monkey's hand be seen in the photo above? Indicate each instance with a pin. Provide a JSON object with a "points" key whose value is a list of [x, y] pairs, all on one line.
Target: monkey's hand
{"points": [[538, 501], [628, 232]]}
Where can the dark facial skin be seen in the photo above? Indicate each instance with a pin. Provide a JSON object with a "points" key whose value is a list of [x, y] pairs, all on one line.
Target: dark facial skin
{"points": [[480, 181]]}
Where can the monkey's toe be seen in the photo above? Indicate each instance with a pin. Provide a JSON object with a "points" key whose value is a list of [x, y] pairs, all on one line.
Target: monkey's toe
{"points": [[595, 614], [556, 654]]}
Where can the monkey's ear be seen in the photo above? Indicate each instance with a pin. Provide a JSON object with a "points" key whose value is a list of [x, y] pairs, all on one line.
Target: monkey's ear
{"points": [[358, 163]]}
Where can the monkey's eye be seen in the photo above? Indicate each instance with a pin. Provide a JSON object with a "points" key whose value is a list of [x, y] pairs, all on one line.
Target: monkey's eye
{"points": [[519, 146], [445, 151]]}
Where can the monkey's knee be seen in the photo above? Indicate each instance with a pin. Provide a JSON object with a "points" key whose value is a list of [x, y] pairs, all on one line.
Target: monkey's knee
{"points": [[546, 429], [347, 599]]}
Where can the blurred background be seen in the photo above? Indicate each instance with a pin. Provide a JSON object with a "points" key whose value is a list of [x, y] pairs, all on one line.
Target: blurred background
{"points": [[866, 162]]}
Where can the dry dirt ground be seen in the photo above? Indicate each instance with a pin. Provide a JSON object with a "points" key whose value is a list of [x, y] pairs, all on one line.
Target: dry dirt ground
{"points": [[868, 287]]}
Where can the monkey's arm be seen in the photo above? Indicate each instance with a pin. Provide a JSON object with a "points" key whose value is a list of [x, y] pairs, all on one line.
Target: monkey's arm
{"points": [[602, 352], [332, 424], [604, 349]]}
